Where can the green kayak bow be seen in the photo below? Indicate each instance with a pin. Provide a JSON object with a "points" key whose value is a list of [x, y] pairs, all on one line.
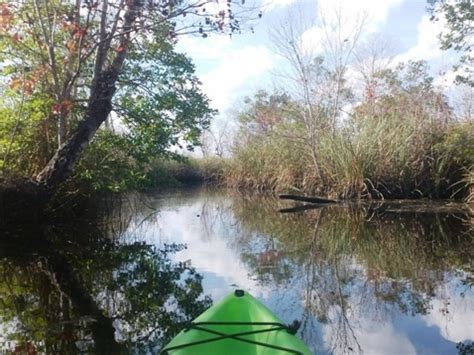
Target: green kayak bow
{"points": [[237, 325]]}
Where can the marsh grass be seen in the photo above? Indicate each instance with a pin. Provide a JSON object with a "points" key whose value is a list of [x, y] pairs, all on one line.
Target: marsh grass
{"points": [[393, 157], [467, 182]]}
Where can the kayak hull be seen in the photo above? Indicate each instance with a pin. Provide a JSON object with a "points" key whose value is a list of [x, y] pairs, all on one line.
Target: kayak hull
{"points": [[238, 324]]}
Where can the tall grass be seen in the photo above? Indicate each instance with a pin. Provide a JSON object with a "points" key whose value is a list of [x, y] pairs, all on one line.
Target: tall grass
{"points": [[402, 140], [392, 156], [468, 183]]}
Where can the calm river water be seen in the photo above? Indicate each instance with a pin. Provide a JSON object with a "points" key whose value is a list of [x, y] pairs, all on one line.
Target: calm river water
{"points": [[377, 278]]}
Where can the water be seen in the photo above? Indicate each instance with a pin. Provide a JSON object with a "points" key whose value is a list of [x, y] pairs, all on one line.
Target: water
{"points": [[393, 278]]}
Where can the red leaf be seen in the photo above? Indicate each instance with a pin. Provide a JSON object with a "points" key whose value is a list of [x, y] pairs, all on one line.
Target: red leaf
{"points": [[16, 38]]}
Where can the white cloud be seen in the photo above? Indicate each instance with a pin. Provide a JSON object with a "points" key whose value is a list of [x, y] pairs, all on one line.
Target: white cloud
{"points": [[373, 336], [384, 339], [427, 44], [454, 315], [346, 17], [446, 80], [272, 4], [208, 247], [226, 67], [204, 49], [237, 67], [375, 12], [313, 39]]}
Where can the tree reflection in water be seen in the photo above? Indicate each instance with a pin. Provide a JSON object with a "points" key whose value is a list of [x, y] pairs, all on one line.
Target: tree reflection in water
{"points": [[352, 262], [81, 287]]}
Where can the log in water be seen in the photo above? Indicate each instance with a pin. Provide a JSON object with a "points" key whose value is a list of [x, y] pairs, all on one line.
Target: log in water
{"points": [[311, 199]]}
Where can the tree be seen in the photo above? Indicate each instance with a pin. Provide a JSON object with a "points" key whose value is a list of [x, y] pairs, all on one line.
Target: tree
{"points": [[318, 72], [409, 90], [77, 51], [159, 101], [459, 33], [306, 73], [265, 111], [373, 57], [216, 139]]}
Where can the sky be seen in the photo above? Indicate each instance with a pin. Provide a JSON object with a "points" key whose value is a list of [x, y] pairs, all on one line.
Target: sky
{"points": [[232, 68]]}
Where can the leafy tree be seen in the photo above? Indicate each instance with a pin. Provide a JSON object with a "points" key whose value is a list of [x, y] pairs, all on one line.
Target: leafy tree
{"points": [[408, 90], [160, 106], [77, 52], [265, 111], [159, 100], [459, 33]]}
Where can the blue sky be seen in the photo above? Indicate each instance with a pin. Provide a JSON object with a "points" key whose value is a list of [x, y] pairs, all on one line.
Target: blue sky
{"points": [[231, 69]]}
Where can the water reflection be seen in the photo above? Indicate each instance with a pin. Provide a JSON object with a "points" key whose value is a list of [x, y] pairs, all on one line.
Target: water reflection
{"points": [[364, 269], [378, 278], [82, 288]]}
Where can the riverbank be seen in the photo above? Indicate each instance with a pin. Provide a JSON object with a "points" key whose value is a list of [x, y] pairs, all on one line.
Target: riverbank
{"points": [[407, 165], [18, 201]]}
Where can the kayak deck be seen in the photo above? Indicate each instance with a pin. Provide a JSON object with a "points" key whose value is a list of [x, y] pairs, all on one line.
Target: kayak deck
{"points": [[238, 324]]}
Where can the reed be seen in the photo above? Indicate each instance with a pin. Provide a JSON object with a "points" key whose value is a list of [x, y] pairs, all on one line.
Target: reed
{"points": [[393, 156], [468, 183]]}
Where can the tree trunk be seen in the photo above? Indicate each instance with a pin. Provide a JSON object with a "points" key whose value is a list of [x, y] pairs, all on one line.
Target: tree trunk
{"points": [[62, 163], [61, 130], [103, 88]]}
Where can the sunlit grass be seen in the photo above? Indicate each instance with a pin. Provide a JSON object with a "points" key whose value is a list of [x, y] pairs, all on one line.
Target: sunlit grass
{"points": [[391, 156]]}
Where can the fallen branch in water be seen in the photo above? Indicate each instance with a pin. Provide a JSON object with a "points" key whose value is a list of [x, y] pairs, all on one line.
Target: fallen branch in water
{"points": [[306, 199], [302, 208]]}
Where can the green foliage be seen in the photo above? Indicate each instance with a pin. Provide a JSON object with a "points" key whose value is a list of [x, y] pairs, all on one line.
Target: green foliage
{"points": [[27, 134], [160, 101], [108, 165], [457, 143], [459, 17], [113, 164]]}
